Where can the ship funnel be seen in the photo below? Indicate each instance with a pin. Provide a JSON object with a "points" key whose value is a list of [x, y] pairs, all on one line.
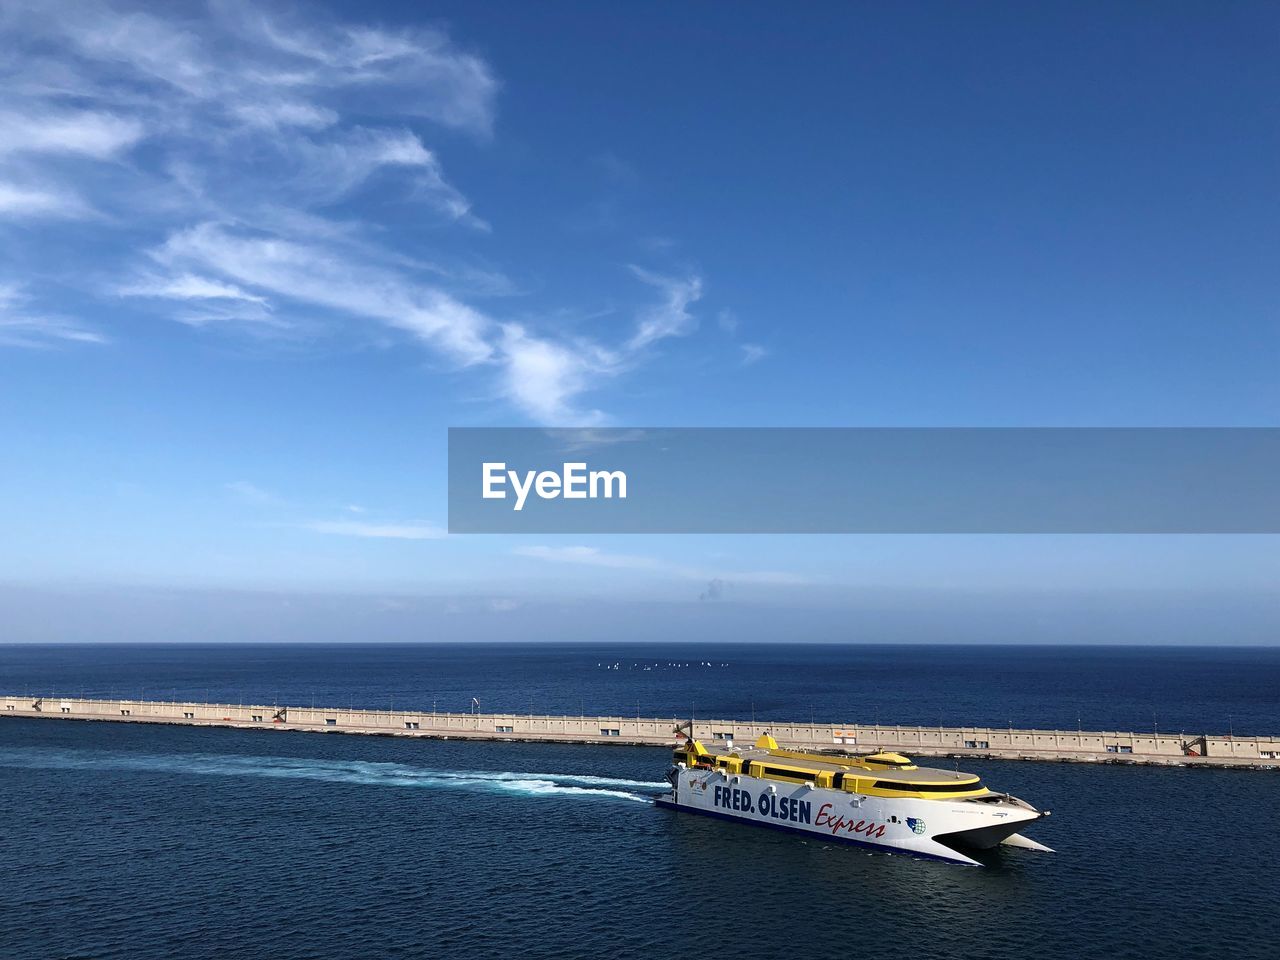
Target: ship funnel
{"points": [[767, 742]]}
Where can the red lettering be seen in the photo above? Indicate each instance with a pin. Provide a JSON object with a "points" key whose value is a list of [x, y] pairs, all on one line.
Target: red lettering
{"points": [[837, 823]]}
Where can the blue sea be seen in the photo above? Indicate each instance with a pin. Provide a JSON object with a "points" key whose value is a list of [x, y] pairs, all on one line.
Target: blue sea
{"points": [[154, 841]]}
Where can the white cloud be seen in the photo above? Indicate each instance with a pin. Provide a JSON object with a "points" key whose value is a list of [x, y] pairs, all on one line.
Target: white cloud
{"points": [[320, 275], [380, 531], [257, 123], [240, 56], [422, 69], [20, 327], [188, 286], [588, 556], [750, 353], [87, 132], [671, 317], [142, 46], [544, 378], [257, 103], [202, 301], [251, 493], [32, 331], [279, 114], [238, 314], [18, 201], [593, 557], [328, 169]]}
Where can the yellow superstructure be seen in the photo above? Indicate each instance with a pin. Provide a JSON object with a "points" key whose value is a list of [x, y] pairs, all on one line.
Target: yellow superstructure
{"points": [[878, 774]]}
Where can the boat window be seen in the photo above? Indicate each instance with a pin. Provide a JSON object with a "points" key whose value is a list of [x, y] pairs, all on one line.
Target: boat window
{"points": [[797, 775], [927, 787]]}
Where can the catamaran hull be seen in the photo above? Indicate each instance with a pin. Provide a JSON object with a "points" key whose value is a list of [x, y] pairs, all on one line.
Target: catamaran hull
{"points": [[936, 829]]}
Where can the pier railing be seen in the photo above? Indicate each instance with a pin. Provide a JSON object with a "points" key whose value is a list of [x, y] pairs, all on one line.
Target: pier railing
{"points": [[1001, 743]]}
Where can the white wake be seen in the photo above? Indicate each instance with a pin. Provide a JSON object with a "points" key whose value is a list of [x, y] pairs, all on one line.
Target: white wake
{"points": [[361, 772]]}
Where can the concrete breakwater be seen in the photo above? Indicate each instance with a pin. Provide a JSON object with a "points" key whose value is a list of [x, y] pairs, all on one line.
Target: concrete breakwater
{"points": [[998, 743]]}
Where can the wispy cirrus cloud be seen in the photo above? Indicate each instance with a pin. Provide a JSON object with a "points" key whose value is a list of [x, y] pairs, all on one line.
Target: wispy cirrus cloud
{"points": [[188, 286], [22, 201], [357, 65], [670, 317], [35, 331], [232, 91], [240, 163], [51, 131], [290, 65], [324, 169], [254, 495], [251, 493], [377, 531], [748, 353], [588, 556], [22, 326], [313, 273], [545, 377], [594, 557], [201, 301]]}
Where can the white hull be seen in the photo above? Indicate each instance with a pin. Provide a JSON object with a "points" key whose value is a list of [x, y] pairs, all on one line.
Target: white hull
{"points": [[939, 829]]}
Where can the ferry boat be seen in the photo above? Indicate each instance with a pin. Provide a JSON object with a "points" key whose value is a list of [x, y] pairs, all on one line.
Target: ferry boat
{"points": [[882, 800]]}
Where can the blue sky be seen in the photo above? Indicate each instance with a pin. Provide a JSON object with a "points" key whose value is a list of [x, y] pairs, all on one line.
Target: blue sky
{"points": [[254, 260]]}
